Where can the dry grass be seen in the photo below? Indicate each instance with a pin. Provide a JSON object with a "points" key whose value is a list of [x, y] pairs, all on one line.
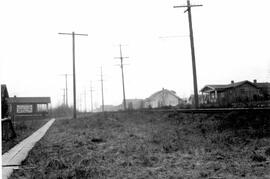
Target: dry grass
{"points": [[151, 145]]}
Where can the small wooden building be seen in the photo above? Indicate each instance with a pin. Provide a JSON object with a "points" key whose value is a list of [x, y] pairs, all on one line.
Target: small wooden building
{"points": [[29, 106], [224, 95]]}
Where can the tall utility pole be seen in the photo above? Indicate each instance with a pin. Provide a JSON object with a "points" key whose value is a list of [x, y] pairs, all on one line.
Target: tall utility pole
{"points": [[91, 93], [189, 6], [123, 81], [102, 94], [74, 69], [66, 75]]}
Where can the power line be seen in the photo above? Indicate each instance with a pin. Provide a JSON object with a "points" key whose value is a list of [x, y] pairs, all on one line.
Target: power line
{"points": [[74, 69], [123, 81], [189, 6]]}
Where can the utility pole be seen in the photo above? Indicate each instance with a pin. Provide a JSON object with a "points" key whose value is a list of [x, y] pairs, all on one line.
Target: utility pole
{"points": [[91, 93], [102, 94], [64, 96], [123, 81], [66, 75], [85, 108], [80, 103], [189, 6], [74, 69]]}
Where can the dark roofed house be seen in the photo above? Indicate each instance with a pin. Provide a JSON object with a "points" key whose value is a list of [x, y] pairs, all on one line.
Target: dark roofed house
{"points": [[224, 95], [265, 89], [29, 106]]}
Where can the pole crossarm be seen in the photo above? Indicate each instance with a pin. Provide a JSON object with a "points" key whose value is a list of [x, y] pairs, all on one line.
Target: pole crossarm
{"points": [[120, 57], [188, 6], [72, 34]]}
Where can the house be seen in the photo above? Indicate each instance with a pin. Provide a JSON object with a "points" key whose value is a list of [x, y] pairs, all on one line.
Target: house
{"points": [[226, 94], [265, 89], [29, 106], [162, 98]]}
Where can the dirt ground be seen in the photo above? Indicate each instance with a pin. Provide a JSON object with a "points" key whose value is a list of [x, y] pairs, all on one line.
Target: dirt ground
{"points": [[23, 128], [153, 145]]}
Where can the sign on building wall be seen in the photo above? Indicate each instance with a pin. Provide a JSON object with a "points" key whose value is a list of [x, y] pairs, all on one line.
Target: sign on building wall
{"points": [[24, 109]]}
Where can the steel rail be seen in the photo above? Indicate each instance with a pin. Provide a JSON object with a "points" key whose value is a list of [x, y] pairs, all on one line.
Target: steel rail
{"points": [[210, 110]]}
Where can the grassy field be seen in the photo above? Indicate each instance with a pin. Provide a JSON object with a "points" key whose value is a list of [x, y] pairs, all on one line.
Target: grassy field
{"points": [[23, 128], [153, 145]]}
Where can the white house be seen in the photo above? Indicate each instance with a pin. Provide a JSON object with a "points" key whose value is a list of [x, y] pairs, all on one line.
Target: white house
{"points": [[162, 98]]}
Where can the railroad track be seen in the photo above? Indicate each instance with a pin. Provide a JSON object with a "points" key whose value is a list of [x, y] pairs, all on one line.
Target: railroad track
{"points": [[192, 111], [210, 110]]}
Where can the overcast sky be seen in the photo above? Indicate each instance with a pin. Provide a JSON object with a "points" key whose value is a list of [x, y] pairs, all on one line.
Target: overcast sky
{"points": [[232, 42]]}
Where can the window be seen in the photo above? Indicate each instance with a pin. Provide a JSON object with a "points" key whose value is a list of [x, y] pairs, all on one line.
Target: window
{"points": [[243, 91], [222, 95], [26, 108], [42, 108]]}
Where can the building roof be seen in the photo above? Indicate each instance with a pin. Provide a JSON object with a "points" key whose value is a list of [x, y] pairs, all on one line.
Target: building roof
{"points": [[38, 100], [263, 85], [224, 87], [162, 91], [133, 100]]}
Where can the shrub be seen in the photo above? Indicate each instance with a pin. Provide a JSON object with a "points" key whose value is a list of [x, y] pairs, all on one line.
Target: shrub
{"points": [[257, 158], [55, 164]]}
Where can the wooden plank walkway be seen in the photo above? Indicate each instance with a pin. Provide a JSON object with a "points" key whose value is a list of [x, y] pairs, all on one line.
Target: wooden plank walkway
{"points": [[13, 158]]}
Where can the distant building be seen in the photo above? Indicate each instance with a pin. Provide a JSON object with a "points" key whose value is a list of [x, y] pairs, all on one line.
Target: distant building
{"points": [[29, 106], [108, 108], [135, 103], [244, 91], [162, 98]]}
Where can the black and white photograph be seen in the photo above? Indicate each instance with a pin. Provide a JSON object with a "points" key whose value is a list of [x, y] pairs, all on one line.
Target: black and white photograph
{"points": [[125, 89]]}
